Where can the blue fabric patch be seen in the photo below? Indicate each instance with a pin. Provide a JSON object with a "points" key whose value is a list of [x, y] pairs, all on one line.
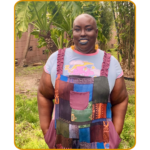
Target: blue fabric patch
{"points": [[100, 145], [98, 120], [84, 135], [56, 113], [84, 88], [107, 146], [108, 110], [63, 78]]}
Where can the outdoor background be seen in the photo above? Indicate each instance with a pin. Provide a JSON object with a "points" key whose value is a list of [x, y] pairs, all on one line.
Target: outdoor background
{"points": [[43, 27]]}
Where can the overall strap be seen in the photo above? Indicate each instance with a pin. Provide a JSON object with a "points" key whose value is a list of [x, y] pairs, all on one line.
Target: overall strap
{"points": [[105, 64], [60, 60]]}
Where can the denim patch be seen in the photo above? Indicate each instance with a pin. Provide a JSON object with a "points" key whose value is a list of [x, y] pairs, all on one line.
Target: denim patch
{"points": [[108, 110], [63, 78], [100, 145], [84, 135], [98, 120]]}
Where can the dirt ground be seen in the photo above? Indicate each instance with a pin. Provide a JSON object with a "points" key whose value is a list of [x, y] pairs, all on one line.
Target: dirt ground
{"points": [[27, 80]]}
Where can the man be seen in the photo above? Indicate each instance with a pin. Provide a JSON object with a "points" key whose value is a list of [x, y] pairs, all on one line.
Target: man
{"points": [[90, 93]]}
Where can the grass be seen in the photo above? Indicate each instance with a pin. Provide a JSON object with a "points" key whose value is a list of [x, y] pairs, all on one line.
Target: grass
{"points": [[29, 135], [128, 133], [28, 70], [114, 53], [27, 129]]}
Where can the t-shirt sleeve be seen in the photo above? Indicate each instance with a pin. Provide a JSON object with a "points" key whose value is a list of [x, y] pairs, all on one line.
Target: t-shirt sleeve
{"points": [[50, 62], [118, 69]]}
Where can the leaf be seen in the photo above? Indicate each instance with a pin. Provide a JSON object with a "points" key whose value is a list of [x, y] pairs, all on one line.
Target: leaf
{"points": [[35, 32], [23, 14]]}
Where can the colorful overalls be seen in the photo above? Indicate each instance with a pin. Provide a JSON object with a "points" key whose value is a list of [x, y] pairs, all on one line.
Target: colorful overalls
{"points": [[82, 111]]}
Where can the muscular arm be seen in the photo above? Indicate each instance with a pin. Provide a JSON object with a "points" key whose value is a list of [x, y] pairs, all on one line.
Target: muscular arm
{"points": [[119, 100], [45, 96]]}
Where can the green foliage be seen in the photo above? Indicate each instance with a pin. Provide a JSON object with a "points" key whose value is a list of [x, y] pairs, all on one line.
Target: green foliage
{"points": [[106, 19], [128, 132], [124, 17], [55, 35], [41, 42], [132, 99], [26, 109], [27, 129], [22, 16]]}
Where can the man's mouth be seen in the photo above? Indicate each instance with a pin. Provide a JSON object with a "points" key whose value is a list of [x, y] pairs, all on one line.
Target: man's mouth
{"points": [[83, 41]]}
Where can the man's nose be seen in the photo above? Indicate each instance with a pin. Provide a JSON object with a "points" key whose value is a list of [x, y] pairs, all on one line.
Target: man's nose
{"points": [[83, 32]]}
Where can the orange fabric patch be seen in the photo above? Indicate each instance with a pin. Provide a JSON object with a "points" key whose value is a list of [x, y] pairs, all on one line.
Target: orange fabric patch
{"points": [[98, 111], [57, 89], [106, 131]]}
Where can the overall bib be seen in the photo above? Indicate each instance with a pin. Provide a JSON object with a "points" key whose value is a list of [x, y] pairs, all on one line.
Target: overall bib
{"points": [[82, 115]]}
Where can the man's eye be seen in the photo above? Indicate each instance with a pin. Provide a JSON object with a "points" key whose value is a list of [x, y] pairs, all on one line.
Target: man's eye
{"points": [[88, 29], [77, 29]]}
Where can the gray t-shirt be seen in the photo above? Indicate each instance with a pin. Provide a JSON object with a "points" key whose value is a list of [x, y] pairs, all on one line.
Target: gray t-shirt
{"points": [[77, 63]]}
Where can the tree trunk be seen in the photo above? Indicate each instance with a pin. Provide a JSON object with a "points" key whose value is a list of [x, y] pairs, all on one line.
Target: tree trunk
{"points": [[116, 25], [130, 52], [23, 61]]}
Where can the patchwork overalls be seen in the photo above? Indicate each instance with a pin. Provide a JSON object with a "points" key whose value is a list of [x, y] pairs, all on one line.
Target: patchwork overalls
{"points": [[82, 115]]}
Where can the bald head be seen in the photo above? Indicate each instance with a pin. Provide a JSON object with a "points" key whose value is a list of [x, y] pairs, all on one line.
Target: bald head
{"points": [[85, 15]]}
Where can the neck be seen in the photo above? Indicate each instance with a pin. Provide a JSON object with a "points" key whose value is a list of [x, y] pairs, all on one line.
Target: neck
{"points": [[88, 51]]}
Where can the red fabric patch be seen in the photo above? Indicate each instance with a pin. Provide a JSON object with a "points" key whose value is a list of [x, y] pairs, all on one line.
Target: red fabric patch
{"points": [[64, 89], [98, 111], [65, 142], [96, 133]]}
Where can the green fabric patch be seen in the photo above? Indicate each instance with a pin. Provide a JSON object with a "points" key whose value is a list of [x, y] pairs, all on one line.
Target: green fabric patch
{"points": [[62, 128], [82, 115]]}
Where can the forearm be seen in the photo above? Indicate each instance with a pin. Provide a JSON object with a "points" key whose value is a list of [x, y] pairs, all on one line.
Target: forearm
{"points": [[45, 108], [118, 115]]}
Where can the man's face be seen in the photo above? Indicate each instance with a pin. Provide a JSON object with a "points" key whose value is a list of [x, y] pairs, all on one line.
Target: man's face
{"points": [[84, 34]]}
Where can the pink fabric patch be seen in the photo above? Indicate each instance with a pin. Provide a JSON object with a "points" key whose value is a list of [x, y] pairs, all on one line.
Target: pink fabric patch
{"points": [[120, 75], [105, 64], [45, 70], [60, 61], [114, 139], [86, 54], [54, 112], [82, 70], [79, 100], [50, 136]]}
